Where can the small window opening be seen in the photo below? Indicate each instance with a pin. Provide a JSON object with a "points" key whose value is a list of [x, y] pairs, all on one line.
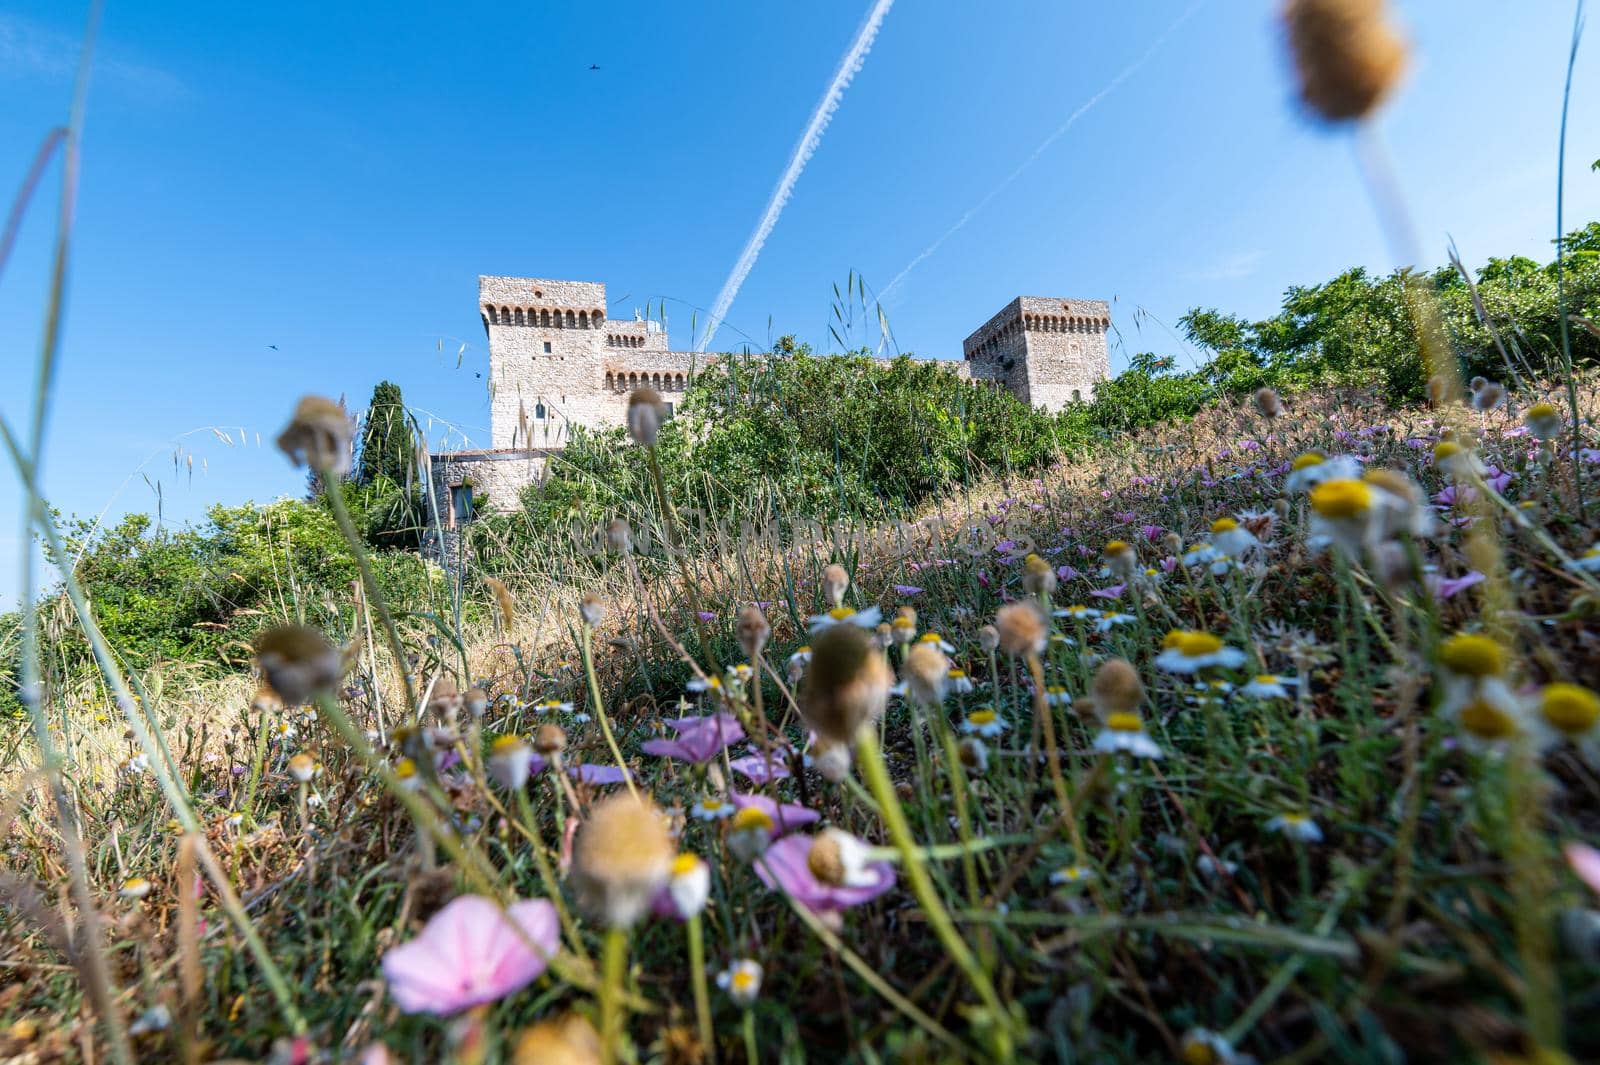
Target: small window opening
{"points": [[538, 410], [461, 503], [547, 347]]}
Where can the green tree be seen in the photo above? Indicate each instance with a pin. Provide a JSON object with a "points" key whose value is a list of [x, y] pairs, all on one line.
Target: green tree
{"points": [[386, 440]]}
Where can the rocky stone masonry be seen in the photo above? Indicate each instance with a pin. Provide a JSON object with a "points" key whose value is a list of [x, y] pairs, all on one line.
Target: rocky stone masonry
{"points": [[556, 360]]}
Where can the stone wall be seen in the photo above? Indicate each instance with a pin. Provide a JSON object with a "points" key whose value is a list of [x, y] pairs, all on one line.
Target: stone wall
{"points": [[1050, 352]]}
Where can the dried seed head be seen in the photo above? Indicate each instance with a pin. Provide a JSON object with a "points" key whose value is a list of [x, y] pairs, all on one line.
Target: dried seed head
{"points": [[1023, 628], [319, 436], [831, 759], [593, 610], [834, 582], [926, 673], [502, 599], [1038, 576], [825, 860], [1268, 402], [846, 685], [974, 755], [1173, 543], [1116, 687], [1544, 421], [1488, 396], [1348, 55], [619, 536], [444, 702], [753, 630], [645, 414], [569, 1040], [298, 663], [266, 701], [477, 700], [621, 857], [989, 639], [302, 767], [550, 738], [1438, 390]]}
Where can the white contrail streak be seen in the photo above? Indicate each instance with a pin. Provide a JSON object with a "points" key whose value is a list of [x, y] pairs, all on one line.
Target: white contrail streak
{"points": [[1127, 72], [803, 150]]}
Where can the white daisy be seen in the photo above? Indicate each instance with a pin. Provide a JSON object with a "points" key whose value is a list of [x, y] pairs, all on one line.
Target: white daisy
{"points": [[1233, 539], [1108, 622], [1268, 686], [1312, 468], [1125, 732], [958, 682], [742, 981], [1056, 695], [1072, 875], [984, 722], [843, 615], [711, 808], [1189, 651], [938, 641], [1589, 561], [1296, 826], [689, 886], [1199, 554], [552, 706], [1078, 612]]}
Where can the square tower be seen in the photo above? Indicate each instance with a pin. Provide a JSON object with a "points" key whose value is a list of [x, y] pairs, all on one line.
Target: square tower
{"points": [[1048, 351], [547, 341]]}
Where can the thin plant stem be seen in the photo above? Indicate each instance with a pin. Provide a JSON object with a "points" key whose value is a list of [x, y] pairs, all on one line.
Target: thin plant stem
{"points": [[341, 515], [586, 635], [877, 774], [612, 1010], [702, 994]]}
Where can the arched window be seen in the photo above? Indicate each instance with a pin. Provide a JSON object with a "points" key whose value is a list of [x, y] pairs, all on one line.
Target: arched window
{"points": [[505, 315], [488, 313], [544, 317], [538, 411], [571, 319]]}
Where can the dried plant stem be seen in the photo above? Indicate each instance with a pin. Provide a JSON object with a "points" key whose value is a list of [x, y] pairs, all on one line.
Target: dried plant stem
{"points": [[612, 1009], [341, 515], [669, 518], [1052, 755], [586, 636], [702, 995], [894, 818]]}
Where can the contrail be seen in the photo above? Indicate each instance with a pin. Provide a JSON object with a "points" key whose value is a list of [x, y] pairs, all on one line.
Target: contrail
{"points": [[1127, 72], [848, 66]]}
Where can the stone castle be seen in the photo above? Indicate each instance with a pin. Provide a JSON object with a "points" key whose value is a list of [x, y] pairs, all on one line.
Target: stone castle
{"points": [[556, 361]]}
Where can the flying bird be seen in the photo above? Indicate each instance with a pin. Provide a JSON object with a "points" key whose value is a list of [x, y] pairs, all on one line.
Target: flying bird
{"points": [[593, 67], [274, 347]]}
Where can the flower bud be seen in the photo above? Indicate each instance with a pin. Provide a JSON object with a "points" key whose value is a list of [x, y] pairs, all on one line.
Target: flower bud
{"points": [[645, 414]]}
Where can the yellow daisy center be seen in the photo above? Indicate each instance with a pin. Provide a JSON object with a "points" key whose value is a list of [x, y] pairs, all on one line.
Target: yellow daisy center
{"points": [[982, 717], [1542, 410], [684, 864], [751, 818], [1117, 547], [1198, 1052], [1342, 497], [1124, 721], [405, 769], [1266, 678], [1571, 708], [1308, 460], [839, 613], [1487, 721], [743, 979], [1472, 656], [1222, 525], [1195, 644], [1445, 449], [505, 744]]}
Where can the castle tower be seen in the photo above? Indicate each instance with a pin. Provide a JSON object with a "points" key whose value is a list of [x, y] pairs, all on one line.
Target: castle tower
{"points": [[547, 345], [1049, 352]]}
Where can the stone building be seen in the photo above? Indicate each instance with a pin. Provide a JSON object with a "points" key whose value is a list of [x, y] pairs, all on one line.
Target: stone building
{"points": [[556, 361]]}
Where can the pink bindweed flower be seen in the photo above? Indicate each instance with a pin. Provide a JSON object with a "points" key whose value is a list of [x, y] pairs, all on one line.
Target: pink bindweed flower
{"points": [[1067, 573], [1151, 532], [1449, 587], [706, 615], [786, 866], [786, 816], [471, 953], [760, 768], [1112, 592], [598, 774], [699, 739], [907, 589], [1585, 861]]}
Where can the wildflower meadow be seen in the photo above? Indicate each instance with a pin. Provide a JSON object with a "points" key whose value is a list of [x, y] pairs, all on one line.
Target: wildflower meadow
{"points": [[1261, 730]]}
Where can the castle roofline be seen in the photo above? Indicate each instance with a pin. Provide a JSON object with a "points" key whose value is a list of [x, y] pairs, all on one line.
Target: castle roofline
{"points": [[1026, 310], [500, 290]]}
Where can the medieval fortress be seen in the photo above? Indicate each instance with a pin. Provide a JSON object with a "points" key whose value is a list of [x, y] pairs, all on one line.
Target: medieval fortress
{"points": [[556, 361]]}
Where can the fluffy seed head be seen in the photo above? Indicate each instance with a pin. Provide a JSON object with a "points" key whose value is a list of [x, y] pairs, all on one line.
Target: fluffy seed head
{"points": [[989, 639], [826, 859], [592, 609], [319, 436], [926, 672], [302, 767], [569, 1040], [1489, 396], [834, 582], [550, 739], [645, 414], [619, 536], [298, 663], [1347, 55], [753, 631], [1544, 421], [1023, 628], [444, 702], [1268, 402], [620, 858], [1117, 687], [266, 701], [846, 685]]}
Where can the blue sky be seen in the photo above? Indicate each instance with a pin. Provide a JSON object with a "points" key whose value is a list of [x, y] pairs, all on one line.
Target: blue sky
{"points": [[332, 178]]}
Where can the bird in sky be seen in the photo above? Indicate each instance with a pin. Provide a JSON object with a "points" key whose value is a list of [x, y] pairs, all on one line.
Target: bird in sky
{"points": [[274, 347], [593, 67]]}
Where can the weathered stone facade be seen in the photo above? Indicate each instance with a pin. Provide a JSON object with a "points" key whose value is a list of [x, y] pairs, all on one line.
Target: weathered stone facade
{"points": [[556, 361]]}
